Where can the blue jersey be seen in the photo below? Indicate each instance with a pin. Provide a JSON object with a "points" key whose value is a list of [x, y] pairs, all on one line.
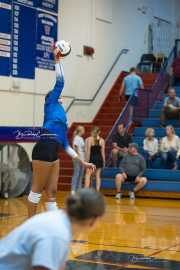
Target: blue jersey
{"points": [[55, 120]]}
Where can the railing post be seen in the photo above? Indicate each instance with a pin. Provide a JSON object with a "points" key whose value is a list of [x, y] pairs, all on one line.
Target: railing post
{"points": [[148, 103]]}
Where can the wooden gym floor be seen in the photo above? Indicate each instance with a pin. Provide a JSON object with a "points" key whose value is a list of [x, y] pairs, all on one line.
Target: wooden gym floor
{"points": [[140, 235]]}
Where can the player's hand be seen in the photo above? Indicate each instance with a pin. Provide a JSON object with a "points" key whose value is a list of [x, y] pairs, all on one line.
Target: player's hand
{"points": [[56, 52], [90, 166], [124, 175]]}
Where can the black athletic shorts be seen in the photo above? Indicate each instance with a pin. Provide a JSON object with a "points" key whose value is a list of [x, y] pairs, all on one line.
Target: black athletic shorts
{"points": [[46, 150], [131, 178]]}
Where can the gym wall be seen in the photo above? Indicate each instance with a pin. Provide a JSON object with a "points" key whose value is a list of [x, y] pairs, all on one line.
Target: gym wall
{"points": [[106, 25]]}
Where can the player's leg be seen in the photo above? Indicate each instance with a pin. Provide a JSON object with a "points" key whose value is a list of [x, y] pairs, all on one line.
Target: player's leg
{"points": [[55, 93], [98, 179], [76, 175], [51, 186], [88, 175], [118, 182], [81, 177], [140, 183], [41, 172]]}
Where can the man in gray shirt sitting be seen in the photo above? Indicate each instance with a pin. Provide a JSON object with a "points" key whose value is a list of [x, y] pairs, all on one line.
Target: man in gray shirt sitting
{"points": [[132, 169], [171, 107]]}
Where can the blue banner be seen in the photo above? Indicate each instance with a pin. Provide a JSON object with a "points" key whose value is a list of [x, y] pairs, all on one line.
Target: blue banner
{"points": [[24, 134], [5, 37], [50, 5], [23, 41], [47, 5], [26, 36], [31, 3], [6, 1], [46, 36]]}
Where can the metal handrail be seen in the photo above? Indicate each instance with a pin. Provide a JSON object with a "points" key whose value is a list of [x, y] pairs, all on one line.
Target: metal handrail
{"points": [[79, 100], [125, 109], [123, 112], [165, 65]]}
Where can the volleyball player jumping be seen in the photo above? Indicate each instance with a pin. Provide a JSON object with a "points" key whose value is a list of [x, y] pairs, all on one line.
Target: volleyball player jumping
{"points": [[45, 160]]}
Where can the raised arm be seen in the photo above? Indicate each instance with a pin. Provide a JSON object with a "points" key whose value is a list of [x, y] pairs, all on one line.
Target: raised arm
{"points": [[55, 94]]}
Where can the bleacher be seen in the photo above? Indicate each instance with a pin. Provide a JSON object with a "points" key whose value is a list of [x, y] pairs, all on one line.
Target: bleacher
{"points": [[161, 182]]}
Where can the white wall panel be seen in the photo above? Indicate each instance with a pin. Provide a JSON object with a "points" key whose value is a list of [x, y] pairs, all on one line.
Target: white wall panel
{"points": [[129, 20]]}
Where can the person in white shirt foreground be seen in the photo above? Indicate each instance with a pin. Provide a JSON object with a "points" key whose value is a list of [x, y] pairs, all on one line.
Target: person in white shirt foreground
{"points": [[43, 242]]}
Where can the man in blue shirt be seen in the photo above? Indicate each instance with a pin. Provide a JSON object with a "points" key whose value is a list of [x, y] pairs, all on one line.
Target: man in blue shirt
{"points": [[129, 87]]}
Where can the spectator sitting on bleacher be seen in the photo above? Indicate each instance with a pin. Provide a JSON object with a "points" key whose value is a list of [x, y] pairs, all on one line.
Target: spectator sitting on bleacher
{"points": [[150, 147], [170, 149], [132, 169], [171, 107], [120, 144], [176, 70]]}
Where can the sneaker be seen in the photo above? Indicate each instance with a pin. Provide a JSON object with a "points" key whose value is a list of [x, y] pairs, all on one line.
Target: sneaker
{"points": [[132, 195], [118, 196]]}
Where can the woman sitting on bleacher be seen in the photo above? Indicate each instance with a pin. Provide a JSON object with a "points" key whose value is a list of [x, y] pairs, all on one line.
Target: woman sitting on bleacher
{"points": [[150, 147], [170, 149]]}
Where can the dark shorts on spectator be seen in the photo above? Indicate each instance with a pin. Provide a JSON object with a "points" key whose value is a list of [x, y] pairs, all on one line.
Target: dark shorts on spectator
{"points": [[133, 101], [131, 178]]}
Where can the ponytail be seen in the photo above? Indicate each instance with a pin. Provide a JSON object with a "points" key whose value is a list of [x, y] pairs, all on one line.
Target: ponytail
{"points": [[85, 204]]}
